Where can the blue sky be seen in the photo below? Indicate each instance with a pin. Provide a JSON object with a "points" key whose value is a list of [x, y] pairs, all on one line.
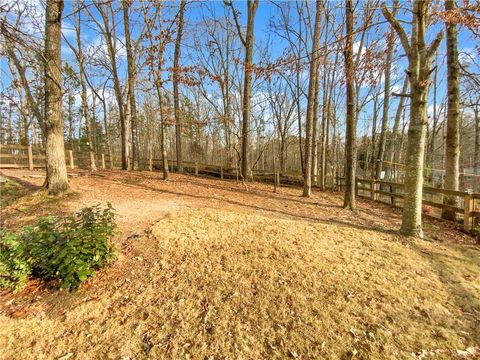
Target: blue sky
{"points": [[266, 10]]}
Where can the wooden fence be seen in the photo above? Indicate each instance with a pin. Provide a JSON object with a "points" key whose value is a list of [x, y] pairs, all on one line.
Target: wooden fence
{"points": [[388, 192], [31, 157]]}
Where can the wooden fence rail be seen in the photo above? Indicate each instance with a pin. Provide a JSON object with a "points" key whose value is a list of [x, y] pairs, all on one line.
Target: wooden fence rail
{"points": [[31, 157], [378, 190]]}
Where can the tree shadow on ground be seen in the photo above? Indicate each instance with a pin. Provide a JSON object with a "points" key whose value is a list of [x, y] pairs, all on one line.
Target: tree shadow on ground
{"points": [[255, 192], [344, 224], [14, 189], [449, 275], [26, 184], [42, 204]]}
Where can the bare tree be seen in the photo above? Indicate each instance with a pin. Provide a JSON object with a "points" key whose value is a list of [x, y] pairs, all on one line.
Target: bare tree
{"points": [[78, 51], [392, 146], [452, 146], [419, 70], [131, 83], [247, 42], [176, 80], [351, 131], [311, 109], [110, 39], [386, 98]]}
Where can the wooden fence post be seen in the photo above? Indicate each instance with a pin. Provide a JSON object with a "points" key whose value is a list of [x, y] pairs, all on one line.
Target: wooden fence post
{"points": [[103, 161], [196, 169], [30, 157], [221, 172], [72, 165], [372, 190], [469, 206]]}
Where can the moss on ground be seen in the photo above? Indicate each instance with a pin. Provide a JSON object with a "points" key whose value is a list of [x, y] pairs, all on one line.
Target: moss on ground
{"points": [[10, 191]]}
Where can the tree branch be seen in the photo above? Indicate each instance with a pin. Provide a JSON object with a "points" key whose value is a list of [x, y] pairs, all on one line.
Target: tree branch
{"points": [[432, 49], [397, 27], [229, 3], [400, 94]]}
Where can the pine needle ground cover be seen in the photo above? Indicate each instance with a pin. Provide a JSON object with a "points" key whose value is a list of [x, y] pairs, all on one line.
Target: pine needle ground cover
{"points": [[206, 270]]}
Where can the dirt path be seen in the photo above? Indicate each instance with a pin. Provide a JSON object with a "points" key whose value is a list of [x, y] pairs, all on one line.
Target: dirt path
{"points": [[140, 198], [207, 270]]}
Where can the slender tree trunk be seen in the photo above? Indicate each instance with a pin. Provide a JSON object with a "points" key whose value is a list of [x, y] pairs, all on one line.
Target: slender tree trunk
{"points": [[323, 138], [9, 124], [314, 134], [71, 100], [56, 181], [246, 170], [374, 136], [88, 127], [452, 146], [33, 105], [131, 84], [176, 80], [227, 110], [116, 81], [431, 144], [107, 132], [392, 143], [163, 125], [386, 100], [312, 86], [163, 146], [299, 119], [351, 130], [476, 151]]}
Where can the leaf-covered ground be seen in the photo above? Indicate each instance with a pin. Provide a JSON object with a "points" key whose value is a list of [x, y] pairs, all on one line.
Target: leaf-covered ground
{"points": [[207, 270]]}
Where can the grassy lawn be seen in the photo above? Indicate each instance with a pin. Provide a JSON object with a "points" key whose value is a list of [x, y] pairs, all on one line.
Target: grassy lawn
{"points": [[208, 271], [221, 284]]}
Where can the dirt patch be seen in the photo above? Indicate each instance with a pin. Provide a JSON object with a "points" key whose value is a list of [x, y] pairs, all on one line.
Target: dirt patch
{"points": [[207, 270]]}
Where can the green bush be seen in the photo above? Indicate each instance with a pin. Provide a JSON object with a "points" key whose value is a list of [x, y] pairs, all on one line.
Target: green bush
{"points": [[14, 268], [68, 250]]}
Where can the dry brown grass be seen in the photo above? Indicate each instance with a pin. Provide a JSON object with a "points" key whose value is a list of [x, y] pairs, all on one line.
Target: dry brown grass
{"points": [[227, 275]]}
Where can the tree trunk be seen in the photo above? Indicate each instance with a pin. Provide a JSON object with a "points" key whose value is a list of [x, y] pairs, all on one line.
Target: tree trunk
{"points": [[323, 138], [476, 150], [33, 106], [315, 124], [107, 132], [176, 80], [419, 63], [246, 170], [131, 84], [430, 158], [371, 158], [392, 143], [56, 181], [88, 127], [452, 146], [351, 130], [116, 82], [312, 86], [71, 100], [386, 101], [299, 117]]}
